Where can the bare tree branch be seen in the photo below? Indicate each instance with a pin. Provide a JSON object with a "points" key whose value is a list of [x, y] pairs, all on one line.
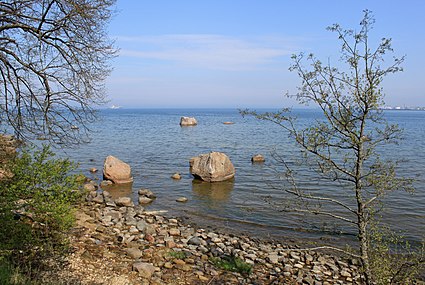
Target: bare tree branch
{"points": [[54, 58]]}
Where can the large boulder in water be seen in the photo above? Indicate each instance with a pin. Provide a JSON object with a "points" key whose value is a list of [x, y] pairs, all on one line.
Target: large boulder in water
{"points": [[116, 170], [212, 167], [188, 121]]}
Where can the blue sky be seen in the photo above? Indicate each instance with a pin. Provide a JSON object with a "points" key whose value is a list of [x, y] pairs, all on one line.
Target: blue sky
{"points": [[236, 53]]}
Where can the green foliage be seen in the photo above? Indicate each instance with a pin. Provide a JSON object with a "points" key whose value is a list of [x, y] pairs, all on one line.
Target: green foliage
{"points": [[392, 259], [11, 275], [36, 206], [231, 263]]}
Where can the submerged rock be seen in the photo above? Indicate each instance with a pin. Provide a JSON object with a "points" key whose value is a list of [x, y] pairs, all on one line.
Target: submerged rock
{"points": [[182, 199], [212, 167]]}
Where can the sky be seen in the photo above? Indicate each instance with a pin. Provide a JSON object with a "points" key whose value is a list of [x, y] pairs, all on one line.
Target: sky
{"points": [[236, 53]]}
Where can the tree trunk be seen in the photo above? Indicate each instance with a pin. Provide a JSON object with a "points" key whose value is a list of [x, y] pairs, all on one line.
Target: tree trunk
{"points": [[364, 248]]}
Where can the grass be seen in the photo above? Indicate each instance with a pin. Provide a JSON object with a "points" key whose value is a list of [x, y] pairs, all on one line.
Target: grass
{"points": [[231, 263], [10, 275], [178, 254]]}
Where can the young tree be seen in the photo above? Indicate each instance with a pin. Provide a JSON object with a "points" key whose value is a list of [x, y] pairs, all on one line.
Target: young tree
{"points": [[344, 146], [53, 61]]}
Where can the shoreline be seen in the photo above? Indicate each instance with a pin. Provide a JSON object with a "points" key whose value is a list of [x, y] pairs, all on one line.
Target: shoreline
{"points": [[146, 247]]}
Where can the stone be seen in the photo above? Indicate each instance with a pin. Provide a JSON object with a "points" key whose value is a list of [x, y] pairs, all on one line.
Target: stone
{"points": [[169, 243], [93, 170], [168, 265], [98, 199], [258, 158], [141, 226], [182, 199], [116, 170], [134, 253], [188, 121], [212, 167], [176, 176], [147, 193], [119, 280], [174, 232], [228, 123], [308, 280], [273, 258], [144, 200], [145, 270], [124, 202], [89, 187], [105, 183], [194, 241], [149, 238]]}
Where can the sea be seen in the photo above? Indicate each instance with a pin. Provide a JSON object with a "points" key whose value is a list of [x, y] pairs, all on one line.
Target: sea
{"points": [[153, 143]]}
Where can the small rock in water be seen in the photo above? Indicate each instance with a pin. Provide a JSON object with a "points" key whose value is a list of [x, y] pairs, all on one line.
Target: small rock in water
{"points": [[188, 121], [258, 158], [93, 170], [147, 193], [144, 200], [182, 199], [176, 176]]}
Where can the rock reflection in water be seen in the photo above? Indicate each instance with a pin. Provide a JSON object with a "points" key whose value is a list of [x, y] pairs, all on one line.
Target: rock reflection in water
{"points": [[213, 194], [119, 190]]}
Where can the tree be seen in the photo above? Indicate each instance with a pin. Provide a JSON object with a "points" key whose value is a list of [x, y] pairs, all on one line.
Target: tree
{"points": [[344, 146], [53, 62]]}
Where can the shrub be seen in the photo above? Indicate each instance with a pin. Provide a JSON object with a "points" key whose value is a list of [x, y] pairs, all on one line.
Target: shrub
{"points": [[36, 206], [393, 259]]}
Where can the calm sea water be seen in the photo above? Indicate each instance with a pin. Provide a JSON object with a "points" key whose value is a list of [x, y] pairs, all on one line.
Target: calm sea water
{"points": [[155, 146]]}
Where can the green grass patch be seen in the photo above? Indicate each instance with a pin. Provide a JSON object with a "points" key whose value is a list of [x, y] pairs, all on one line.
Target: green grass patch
{"points": [[231, 263], [178, 254], [10, 275]]}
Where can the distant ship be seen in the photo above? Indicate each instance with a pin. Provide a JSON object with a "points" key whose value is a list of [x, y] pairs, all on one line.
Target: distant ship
{"points": [[115, 107]]}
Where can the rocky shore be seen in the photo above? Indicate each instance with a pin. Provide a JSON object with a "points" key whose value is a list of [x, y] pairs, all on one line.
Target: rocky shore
{"points": [[116, 242]]}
